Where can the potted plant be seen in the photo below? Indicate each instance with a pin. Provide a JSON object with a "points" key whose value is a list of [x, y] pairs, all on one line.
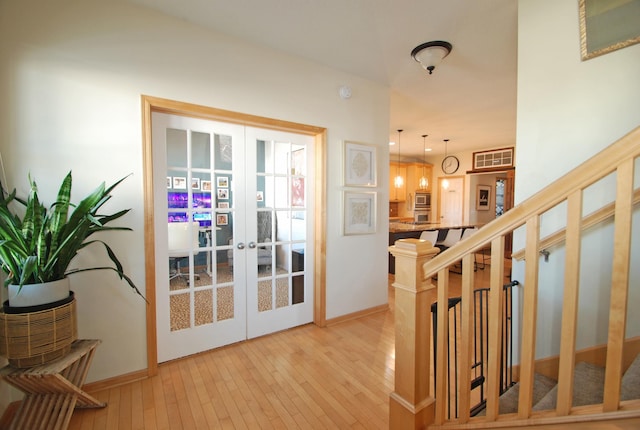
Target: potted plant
{"points": [[37, 246]]}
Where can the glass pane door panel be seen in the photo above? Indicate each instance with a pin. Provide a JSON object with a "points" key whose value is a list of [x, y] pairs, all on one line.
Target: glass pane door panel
{"points": [[281, 158], [200, 151], [281, 192], [265, 293], [203, 307], [282, 292]]}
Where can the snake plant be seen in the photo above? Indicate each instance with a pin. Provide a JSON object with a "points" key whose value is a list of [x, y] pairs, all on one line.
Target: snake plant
{"points": [[39, 246]]}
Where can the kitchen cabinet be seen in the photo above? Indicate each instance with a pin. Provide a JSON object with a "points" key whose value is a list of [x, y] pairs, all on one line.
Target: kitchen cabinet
{"points": [[401, 199]]}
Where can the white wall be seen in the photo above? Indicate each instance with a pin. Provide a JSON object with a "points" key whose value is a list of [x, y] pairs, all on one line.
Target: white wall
{"points": [[71, 77], [568, 110]]}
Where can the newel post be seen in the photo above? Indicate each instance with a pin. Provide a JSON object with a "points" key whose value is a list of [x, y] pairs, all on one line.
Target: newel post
{"points": [[410, 406]]}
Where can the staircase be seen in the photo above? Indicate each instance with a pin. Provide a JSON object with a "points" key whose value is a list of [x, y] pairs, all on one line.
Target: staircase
{"points": [[416, 403]]}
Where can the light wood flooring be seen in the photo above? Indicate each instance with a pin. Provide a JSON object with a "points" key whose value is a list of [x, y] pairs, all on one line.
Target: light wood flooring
{"points": [[337, 377]]}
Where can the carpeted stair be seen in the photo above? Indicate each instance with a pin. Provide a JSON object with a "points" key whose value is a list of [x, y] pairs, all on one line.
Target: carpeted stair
{"points": [[588, 387]]}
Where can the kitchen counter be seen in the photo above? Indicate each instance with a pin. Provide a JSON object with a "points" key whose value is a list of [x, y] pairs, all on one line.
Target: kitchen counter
{"points": [[402, 226], [409, 229]]}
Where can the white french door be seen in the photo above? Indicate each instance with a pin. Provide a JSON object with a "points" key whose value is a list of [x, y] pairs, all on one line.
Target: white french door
{"points": [[451, 200], [247, 269]]}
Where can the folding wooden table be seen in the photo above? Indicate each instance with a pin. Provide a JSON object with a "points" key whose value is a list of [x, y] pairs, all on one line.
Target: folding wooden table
{"points": [[53, 389]]}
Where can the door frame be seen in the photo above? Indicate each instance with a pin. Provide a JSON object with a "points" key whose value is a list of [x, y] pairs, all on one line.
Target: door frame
{"points": [[154, 104]]}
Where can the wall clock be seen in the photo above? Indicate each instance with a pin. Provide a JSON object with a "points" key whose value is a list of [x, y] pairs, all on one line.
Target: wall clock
{"points": [[450, 164]]}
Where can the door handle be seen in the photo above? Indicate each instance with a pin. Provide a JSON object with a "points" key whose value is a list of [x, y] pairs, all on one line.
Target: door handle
{"points": [[241, 245], [252, 245]]}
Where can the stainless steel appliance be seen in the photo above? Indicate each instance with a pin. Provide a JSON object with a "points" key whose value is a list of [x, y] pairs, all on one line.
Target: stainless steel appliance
{"points": [[422, 200], [422, 207], [422, 216]]}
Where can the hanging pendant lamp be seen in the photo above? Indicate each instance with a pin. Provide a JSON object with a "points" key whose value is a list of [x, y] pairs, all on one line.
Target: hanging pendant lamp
{"points": [[424, 181], [398, 180]]}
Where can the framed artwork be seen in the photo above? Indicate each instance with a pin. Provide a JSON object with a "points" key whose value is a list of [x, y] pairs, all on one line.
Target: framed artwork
{"points": [[359, 213], [222, 219], [223, 205], [260, 196], [359, 165], [223, 181], [179, 182], [495, 159], [205, 186], [223, 194], [169, 181], [483, 197], [195, 183], [608, 25]]}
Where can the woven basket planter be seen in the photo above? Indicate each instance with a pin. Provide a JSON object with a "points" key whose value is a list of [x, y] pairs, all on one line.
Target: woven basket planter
{"points": [[37, 336]]}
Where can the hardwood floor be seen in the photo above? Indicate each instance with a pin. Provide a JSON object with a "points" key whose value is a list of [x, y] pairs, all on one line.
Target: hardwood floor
{"points": [[306, 377], [337, 377]]}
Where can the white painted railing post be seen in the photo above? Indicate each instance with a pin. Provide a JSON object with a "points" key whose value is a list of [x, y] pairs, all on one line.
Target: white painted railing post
{"points": [[410, 406]]}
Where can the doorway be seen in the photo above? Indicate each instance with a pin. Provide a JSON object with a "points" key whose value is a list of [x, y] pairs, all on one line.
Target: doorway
{"points": [[270, 281]]}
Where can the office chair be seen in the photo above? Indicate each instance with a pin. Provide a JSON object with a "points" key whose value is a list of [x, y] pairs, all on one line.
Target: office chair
{"points": [[182, 239]]}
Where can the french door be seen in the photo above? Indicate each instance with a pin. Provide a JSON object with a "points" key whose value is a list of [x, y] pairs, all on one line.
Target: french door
{"points": [[240, 198]]}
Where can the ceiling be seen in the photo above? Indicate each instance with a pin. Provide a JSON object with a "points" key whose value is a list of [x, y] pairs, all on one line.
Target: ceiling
{"points": [[471, 96]]}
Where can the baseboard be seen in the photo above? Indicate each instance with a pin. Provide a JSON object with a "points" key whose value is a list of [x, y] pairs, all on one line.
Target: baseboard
{"points": [[596, 355], [106, 384], [355, 315]]}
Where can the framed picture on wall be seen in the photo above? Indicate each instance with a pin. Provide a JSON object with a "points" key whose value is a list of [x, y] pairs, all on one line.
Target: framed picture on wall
{"points": [[223, 181], [608, 25], [483, 198], [195, 183], [179, 182], [222, 219], [359, 165], [359, 213], [223, 194], [205, 186]]}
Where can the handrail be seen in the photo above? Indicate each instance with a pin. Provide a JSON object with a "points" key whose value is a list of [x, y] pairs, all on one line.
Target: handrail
{"points": [[588, 221], [411, 406], [605, 162]]}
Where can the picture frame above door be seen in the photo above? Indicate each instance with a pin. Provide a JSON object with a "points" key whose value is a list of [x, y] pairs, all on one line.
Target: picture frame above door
{"points": [[494, 159]]}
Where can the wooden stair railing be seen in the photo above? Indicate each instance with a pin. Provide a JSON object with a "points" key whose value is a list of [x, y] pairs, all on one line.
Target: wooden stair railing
{"points": [[411, 405]]}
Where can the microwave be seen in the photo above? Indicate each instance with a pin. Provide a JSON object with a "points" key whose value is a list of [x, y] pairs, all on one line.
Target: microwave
{"points": [[422, 200]]}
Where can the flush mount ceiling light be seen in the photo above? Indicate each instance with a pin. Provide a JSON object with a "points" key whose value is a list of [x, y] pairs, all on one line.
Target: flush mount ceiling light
{"points": [[430, 54]]}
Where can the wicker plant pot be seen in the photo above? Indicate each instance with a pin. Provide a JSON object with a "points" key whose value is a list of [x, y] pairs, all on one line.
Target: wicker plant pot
{"points": [[38, 334]]}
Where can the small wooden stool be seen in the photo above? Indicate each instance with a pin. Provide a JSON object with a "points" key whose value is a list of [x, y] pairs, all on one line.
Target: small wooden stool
{"points": [[53, 390]]}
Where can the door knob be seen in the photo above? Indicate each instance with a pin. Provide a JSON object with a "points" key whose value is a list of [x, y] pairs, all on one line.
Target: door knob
{"points": [[252, 245], [241, 245]]}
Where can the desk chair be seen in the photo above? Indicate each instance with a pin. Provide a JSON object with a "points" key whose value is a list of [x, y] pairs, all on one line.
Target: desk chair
{"points": [[182, 239]]}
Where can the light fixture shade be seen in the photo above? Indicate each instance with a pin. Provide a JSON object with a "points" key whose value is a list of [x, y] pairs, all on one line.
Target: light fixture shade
{"points": [[430, 54]]}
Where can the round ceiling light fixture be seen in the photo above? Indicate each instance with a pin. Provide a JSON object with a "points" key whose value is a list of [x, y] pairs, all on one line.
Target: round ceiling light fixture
{"points": [[430, 54]]}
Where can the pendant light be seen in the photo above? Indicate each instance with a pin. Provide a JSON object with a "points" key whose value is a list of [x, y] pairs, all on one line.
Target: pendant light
{"points": [[398, 181], [445, 181], [424, 181]]}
